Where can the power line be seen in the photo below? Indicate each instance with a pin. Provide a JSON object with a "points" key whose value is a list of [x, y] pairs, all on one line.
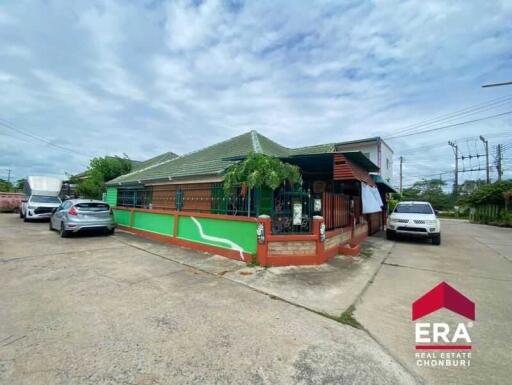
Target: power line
{"points": [[449, 126], [493, 103], [427, 146], [4, 123], [497, 84]]}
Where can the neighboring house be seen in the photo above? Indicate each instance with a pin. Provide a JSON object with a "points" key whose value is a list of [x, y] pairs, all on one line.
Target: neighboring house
{"points": [[470, 186], [137, 164], [182, 200], [374, 149], [68, 189]]}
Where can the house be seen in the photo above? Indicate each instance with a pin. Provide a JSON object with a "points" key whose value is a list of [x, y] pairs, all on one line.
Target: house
{"points": [[182, 201], [68, 188], [375, 149], [137, 164]]}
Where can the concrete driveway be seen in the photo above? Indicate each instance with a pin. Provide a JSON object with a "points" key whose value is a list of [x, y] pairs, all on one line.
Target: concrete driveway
{"points": [[98, 310], [476, 260]]}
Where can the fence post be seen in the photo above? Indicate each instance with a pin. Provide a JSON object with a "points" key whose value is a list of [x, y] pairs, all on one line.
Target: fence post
{"points": [[176, 221], [132, 215], [317, 223], [262, 233]]}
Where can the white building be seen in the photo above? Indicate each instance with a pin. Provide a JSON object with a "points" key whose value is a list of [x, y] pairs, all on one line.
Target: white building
{"points": [[376, 150]]}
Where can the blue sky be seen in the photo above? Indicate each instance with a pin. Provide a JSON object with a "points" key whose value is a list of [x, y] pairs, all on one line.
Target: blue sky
{"points": [[145, 77]]}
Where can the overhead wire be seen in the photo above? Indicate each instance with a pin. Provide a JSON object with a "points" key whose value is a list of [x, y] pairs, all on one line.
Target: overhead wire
{"points": [[448, 126], [443, 118], [6, 124]]}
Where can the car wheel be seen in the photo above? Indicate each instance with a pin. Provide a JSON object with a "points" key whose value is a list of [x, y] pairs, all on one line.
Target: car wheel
{"points": [[390, 235], [50, 225], [21, 214], [436, 239], [110, 232], [63, 233]]}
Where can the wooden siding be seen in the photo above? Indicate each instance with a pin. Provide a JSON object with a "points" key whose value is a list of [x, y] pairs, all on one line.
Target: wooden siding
{"points": [[195, 196], [374, 222], [344, 169], [164, 197], [335, 210]]}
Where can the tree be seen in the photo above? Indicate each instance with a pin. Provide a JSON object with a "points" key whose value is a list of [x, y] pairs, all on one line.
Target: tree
{"points": [[20, 184], [430, 190], [101, 170], [260, 170], [6, 186], [493, 193]]}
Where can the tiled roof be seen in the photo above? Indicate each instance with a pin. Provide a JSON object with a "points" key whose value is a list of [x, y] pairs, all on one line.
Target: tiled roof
{"points": [[215, 159], [137, 165]]}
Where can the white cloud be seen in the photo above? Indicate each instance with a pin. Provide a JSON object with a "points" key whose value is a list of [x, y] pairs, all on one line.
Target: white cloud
{"points": [[184, 74], [190, 25]]}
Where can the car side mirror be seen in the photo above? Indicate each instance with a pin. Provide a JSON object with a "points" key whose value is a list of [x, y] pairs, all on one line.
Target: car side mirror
{"points": [[54, 209], [436, 211], [24, 200]]}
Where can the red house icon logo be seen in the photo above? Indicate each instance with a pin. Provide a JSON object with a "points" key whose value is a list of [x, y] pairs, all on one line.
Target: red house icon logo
{"points": [[441, 335], [443, 296]]}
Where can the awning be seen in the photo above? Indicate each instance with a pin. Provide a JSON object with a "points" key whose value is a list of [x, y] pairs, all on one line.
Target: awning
{"points": [[383, 185]]}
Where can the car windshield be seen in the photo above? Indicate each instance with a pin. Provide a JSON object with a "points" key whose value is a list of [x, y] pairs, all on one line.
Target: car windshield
{"points": [[44, 199], [414, 208], [92, 206]]}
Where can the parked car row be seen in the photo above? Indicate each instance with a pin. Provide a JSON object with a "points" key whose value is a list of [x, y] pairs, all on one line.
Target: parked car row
{"points": [[68, 216]]}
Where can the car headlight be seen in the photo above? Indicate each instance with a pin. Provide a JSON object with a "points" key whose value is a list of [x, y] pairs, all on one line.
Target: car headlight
{"points": [[393, 220], [431, 222], [31, 207]]}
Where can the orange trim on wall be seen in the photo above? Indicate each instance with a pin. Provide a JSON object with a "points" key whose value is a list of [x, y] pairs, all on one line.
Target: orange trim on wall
{"points": [[191, 214], [262, 254], [292, 237], [232, 254]]}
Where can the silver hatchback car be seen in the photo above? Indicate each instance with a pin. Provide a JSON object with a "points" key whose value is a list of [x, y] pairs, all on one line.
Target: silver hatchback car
{"points": [[75, 215]]}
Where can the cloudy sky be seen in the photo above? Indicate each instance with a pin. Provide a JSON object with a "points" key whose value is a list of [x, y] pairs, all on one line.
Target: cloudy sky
{"points": [[89, 78]]}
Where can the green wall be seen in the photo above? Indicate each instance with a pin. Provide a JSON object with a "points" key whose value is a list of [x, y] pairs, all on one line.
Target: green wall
{"points": [[241, 233], [224, 233], [155, 223], [112, 196], [122, 217]]}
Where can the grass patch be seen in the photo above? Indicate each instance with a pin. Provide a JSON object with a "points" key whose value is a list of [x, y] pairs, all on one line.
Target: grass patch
{"points": [[347, 318], [254, 262], [366, 253]]}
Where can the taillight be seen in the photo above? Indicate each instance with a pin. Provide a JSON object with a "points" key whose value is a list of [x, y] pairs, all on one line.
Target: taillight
{"points": [[72, 211]]}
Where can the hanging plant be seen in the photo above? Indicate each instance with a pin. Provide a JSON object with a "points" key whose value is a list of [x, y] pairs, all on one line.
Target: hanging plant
{"points": [[260, 170]]}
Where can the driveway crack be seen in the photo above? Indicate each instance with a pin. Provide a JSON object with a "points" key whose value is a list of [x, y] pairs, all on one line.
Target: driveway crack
{"points": [[446, 272]]}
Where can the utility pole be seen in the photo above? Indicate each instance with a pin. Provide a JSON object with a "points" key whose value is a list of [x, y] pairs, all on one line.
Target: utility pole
{"points": [[401, 175], [8, 175], [498, 163], [456, 152], [486, 144]]}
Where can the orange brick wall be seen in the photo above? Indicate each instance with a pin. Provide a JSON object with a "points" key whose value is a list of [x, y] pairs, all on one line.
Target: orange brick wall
{"points": [[292, 248], [337, 240]]}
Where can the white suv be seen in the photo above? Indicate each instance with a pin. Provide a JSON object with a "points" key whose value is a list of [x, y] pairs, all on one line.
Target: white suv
{"points": [[414, 219]]}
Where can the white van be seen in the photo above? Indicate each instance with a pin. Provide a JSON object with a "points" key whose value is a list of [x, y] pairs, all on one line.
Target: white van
{"points": [[42, 197]]}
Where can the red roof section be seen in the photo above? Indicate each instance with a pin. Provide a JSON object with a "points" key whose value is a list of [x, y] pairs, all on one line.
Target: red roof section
{"points": [[443, 296], [344, 169]]}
